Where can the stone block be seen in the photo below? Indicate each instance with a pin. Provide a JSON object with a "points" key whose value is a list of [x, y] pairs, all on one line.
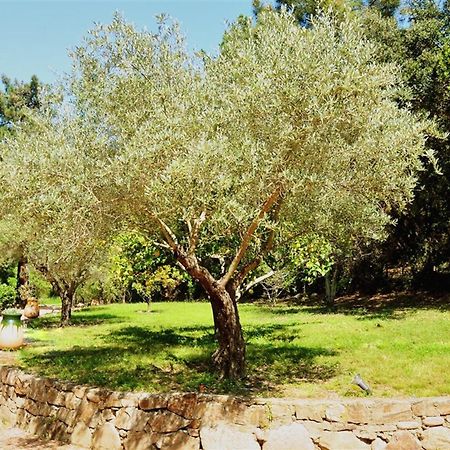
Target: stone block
{"points": [[56, 397], [335, 412], [7, 418], [81, 436], [68, 416], [391, 411], [433, 421], [180, 440], [436, 438], [85, 411], [378, 444], [344, 440], [131, 419], [72, 401], [11, 377], [403, 440], [305, 410], [280, 412], [140, 440], [150, 402], [80, 391], [183, 404], [425, 407], [97, 395], [227, 437], [288, 437], [166, 422], [411, 425], [358, 412], [108, 414], [106, 437]]}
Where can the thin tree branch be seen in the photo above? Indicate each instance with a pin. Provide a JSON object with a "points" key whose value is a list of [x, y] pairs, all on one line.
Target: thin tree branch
{"points": [[255, 262], [273, 198], [168, 234], [194, 230]]}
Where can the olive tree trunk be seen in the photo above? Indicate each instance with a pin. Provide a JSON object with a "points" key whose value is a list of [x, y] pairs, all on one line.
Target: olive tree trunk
{"points": [[23, 281], [229, 358]]}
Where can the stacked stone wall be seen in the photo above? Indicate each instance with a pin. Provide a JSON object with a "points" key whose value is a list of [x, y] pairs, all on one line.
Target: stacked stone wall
{"points": [[102, 419]]}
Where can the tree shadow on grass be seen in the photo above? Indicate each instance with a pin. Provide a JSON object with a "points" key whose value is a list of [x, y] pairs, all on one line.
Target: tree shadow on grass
{"points": [[392, 306], [79, 319], [138, 358]]}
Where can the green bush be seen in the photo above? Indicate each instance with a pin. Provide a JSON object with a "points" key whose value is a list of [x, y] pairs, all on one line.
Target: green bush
{"points": [[7, 296]]}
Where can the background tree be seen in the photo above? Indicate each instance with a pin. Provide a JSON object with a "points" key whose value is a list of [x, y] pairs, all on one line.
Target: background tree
{"points": [[288, 130], [16, 99], [47, 203]]}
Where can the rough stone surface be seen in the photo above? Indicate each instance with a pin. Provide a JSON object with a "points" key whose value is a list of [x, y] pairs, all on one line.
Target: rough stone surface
{"points": [[227, 437], [358, 412], [139, 440], [288, 437], [131, 418], [403, 440], [335, 413], [97, 418], [166, 422], [378, 444], [408, 425], [344, 440], [179, 440], [308, 411], [436, 438], [153, 402], [426, 407], [390, 411], [183, 404], [433, 421], [81, 436], [106, 438]]}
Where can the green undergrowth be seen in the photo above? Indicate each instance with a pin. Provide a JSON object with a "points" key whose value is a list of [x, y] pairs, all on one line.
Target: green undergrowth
{"points": [[299, 351]]}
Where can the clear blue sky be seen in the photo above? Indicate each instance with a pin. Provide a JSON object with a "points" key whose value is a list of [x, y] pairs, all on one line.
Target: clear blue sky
{"points": [[35, 35]]}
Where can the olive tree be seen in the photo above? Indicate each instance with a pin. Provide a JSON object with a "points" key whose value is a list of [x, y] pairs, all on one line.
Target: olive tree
{"points": [[286, 131], [48, 199]]}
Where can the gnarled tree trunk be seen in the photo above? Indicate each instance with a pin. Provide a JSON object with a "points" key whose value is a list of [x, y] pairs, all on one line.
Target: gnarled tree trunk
{"points": [[23, 281], [229, 358], [66, 306]]}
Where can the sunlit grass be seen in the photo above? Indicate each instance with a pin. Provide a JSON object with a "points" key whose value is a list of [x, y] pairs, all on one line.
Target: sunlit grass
{"points": [[299, 351]]}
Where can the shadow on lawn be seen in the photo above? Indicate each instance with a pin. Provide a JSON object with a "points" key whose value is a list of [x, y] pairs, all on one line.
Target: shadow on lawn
{"points": [[380, 306], [138, 358], [79, 319]]}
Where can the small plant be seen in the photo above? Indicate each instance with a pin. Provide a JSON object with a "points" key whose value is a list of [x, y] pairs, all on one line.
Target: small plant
{"points": [[7, 296], [11, 312]]}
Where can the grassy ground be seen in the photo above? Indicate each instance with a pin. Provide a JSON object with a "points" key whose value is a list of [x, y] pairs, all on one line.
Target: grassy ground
{"points": [[401, 349]]}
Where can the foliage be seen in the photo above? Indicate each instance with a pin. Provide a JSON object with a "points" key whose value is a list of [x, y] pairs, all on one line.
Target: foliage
{"points": [[7, 296], [43, 204], [138, 266], [12, 312], [16, 99], [198, 122], [312, 257]]}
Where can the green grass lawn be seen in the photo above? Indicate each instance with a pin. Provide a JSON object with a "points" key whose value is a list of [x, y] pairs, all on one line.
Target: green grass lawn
{"points": [[292, 350]]}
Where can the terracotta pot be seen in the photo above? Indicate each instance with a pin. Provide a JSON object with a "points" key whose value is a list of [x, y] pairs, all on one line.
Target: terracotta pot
{"points": [[11, 332], [31, 310]]}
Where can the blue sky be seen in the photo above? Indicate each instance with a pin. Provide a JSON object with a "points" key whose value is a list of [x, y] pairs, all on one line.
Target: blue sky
{"points": [[35, 35]]}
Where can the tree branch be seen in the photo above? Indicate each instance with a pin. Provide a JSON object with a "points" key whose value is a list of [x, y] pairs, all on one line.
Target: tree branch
{"points": [[193, 232], [273, 198], [169, 236]]}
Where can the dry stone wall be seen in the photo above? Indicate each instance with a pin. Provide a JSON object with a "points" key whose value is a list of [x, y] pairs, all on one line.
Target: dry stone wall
{"points": [[101, 419]]}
